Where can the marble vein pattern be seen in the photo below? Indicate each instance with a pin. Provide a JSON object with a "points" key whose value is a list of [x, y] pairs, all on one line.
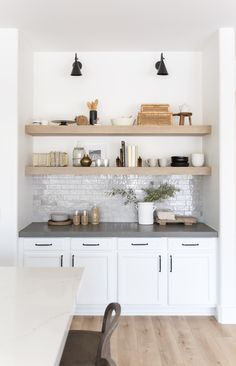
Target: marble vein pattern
{"points": [[36, 311]]}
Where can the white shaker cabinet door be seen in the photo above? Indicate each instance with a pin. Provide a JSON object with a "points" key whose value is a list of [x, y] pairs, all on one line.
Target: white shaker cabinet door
{"points": [[44, 259], [141, 278], [98, 286], [192, 279]]}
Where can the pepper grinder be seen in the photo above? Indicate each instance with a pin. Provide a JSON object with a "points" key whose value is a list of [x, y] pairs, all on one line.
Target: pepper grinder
{"points": [[84, 218]]}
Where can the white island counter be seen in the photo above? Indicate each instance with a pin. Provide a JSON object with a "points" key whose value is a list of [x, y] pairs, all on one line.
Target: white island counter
{"points": [[36, 309]]}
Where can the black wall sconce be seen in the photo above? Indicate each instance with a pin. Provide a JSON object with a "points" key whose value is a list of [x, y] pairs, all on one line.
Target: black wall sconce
{"points": [[161, 67], [77, 66]]}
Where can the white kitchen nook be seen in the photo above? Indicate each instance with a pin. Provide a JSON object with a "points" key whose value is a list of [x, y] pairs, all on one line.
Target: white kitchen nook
{"points": [[118, 183]]}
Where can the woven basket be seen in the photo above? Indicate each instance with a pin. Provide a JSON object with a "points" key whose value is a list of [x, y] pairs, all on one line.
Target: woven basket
{"points": [[160, 119], [155, 108]]}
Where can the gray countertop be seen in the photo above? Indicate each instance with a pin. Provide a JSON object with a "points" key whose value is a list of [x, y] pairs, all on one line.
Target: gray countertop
{"points": [[109, 229]]}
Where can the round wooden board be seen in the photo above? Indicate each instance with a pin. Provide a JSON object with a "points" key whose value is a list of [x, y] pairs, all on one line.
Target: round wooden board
{"points": [[59, 223]]}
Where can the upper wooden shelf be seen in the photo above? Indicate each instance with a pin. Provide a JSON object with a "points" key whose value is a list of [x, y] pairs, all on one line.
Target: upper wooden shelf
{"points": [[116, 171], [196, 130]]}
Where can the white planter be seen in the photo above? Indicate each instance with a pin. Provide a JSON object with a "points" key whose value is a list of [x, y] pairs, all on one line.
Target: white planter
{"points": [[145, 213]]}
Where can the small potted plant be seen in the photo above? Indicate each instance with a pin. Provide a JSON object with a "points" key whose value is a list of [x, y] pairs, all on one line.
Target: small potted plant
{"points": [[146, 207]]}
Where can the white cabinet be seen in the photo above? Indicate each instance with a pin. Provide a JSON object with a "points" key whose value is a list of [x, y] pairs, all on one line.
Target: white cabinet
{"points": [[141, 271], [98, 258], [44, 252], [146, 275], [192, 272], [43, 259]]}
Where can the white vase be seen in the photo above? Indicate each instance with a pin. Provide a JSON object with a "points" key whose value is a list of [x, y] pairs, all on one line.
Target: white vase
{"points": [[145, 213]]}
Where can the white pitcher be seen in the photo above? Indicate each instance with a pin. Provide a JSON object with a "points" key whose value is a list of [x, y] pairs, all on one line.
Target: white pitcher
{"points": [[145, 213]]}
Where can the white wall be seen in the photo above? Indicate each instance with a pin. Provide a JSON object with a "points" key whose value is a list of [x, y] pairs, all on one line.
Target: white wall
{"points": [[210, 97], [8, 144], [121, 82], [227, 163], [25, 97]]}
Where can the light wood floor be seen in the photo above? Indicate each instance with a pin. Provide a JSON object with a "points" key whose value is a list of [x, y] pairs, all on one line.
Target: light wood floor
{"points": [[169, 341]]}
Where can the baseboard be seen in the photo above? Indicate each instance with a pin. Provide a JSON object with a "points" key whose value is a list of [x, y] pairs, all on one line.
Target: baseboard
{"points": [[226, 314], [151, 310]]}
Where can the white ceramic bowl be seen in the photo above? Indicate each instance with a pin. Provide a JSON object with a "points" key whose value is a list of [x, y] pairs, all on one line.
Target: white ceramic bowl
{"points": [[197, 159], [59, 216], [122, 121]]}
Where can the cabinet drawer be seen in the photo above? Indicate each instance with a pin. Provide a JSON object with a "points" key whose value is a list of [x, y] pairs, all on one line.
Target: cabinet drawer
{"points": [[93, 243], [141, 243], [197, 244], [46, 244]]}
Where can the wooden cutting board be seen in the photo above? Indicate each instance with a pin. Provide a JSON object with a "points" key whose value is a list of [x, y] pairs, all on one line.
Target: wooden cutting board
{"points": [[186, 220]]}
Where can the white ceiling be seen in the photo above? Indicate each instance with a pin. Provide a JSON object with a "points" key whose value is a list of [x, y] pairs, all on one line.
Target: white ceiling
{"points": [[117, 25]]}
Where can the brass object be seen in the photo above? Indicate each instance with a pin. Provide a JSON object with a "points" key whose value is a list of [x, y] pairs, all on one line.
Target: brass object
{"points": [[81, 120], [86, 161]]}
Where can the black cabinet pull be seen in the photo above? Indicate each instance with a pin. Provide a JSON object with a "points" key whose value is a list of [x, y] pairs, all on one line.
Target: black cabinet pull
{"points": [[171, 266], [137, 244], [159, 263], [73, 260], [43, 245], [190, 244], [91, 245], [61, 260]]}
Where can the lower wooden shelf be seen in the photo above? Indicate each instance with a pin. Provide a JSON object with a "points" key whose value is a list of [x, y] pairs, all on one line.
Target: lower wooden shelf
{"points": [[117, 171]]}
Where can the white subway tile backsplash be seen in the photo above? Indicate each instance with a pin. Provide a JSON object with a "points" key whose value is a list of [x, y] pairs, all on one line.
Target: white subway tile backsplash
{"points": [[66, 193]]}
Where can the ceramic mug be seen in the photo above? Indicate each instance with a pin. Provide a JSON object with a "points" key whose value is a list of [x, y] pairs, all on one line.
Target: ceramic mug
{"points": [[98, 162], [163, 162], [106, 162], [197, 159], [151, 162]]}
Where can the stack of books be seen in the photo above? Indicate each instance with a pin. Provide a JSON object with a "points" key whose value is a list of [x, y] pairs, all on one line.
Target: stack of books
{"points": [[52, 159]]}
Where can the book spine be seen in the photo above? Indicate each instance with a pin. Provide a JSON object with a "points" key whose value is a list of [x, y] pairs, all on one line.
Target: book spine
{"points": [[123, 153], [133, 156], [129, 155]]}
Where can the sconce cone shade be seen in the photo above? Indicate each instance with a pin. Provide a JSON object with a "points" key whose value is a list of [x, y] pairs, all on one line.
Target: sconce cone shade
{"points": [[161, 67], [77, 66]]}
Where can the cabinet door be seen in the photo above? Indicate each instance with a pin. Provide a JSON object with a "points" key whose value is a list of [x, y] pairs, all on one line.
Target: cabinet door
{"points": [[192, 279], [141, 278], [98, 286], [44, 259]]}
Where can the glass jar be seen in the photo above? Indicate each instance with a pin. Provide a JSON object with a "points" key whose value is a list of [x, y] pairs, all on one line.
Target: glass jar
{"points": [[78, 154]]}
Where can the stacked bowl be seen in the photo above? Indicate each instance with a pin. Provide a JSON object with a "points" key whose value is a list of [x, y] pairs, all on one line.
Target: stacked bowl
{"points": [[179, 161]]}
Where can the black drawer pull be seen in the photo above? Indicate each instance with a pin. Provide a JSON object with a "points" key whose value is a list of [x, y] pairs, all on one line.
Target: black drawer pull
{"points": [[159, 263], [137, 244], [190, 244], [61, 260], [91, 245], [43, 245], [73, 260], [171, 267]]}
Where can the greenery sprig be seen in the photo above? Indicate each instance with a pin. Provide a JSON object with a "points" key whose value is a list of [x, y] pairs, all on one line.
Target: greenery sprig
{"points": [[152, 193]]}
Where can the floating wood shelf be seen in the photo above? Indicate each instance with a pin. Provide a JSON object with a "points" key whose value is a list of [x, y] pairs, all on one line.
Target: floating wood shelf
{"points": [[196, 130], [117, 171]]}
